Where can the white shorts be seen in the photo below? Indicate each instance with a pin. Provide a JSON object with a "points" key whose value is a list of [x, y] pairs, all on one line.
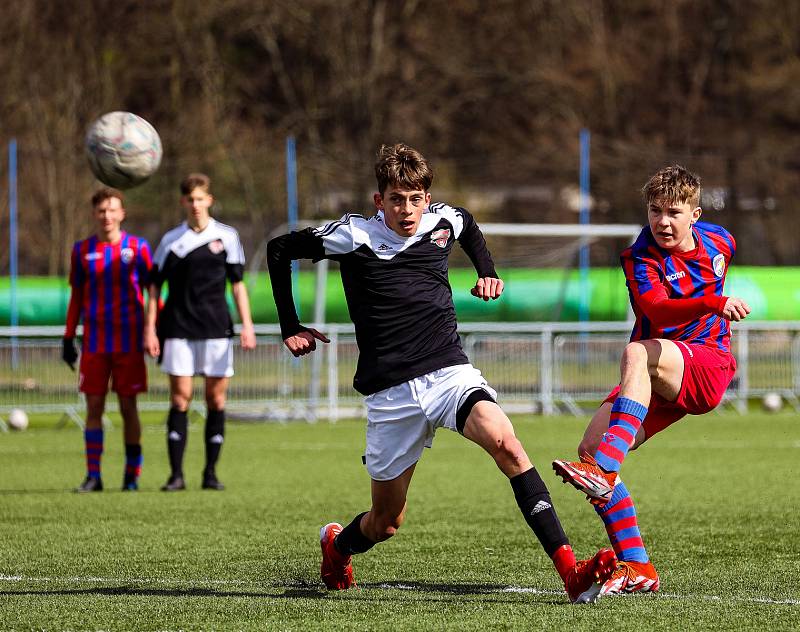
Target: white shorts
{"points": [[212, 357], [402, 419]]}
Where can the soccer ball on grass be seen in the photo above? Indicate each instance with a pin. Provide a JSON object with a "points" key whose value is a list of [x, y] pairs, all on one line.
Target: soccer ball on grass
{"points": [[123, 149], [17, 419]]}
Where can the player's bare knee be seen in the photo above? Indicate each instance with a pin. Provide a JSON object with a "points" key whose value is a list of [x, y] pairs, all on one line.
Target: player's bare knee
{"points": [[634, 357]]}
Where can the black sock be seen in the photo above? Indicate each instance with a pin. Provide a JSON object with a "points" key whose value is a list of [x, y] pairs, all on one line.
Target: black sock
{"points": [[215, 435], [537, 508], [177, 429], [351, 540]]}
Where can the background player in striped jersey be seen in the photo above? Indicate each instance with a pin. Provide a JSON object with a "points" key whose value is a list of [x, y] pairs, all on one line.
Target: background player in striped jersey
{"points": [[108, 272], [196, 259], [411, 366], [677, 363]]}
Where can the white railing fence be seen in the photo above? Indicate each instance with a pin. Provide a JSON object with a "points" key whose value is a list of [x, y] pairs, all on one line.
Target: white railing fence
{"points": [[545, 368]]}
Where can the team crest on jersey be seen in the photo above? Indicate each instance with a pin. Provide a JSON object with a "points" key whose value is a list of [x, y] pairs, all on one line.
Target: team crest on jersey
{"points": [[216, 246], [719, 265], [440, 237], [126, 254]]}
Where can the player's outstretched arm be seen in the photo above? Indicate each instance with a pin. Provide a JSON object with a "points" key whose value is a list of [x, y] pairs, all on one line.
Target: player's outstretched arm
{"points": [[488, 288], [242, 300]]}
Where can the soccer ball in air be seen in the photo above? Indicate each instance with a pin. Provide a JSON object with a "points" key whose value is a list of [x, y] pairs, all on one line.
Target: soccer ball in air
{"points": [[17, 419], [123, 149]]}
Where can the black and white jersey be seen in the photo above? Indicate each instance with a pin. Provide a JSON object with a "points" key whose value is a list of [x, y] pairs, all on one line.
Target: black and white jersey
{"points": [[397, 289], [196, 266]]}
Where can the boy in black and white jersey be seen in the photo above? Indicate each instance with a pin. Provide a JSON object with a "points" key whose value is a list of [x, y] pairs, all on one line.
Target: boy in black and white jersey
{"points": [[196, 259], [411, 366]]}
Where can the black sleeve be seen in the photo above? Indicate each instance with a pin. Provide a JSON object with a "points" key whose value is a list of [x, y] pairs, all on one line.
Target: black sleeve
{"points": [[473, 243], [155, 277], [280, 252], [234, 272]]}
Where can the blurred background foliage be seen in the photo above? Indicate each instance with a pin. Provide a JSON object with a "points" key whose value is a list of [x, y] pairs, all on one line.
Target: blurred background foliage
{"points": [[494, 93]]}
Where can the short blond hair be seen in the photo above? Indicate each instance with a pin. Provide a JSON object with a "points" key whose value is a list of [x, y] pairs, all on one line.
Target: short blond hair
{"points": [[401, 165], [674, 185]]}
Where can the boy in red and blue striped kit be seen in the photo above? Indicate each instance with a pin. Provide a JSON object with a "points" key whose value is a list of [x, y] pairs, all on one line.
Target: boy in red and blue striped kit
{"points": [[108, 272], [677, 363]]}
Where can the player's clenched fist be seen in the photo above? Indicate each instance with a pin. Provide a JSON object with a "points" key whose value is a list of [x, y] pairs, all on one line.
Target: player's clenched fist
{"points": [[735, 309], [488, 288], [304, 342]]}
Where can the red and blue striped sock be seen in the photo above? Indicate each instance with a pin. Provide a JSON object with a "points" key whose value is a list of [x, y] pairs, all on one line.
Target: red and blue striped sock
{"points": [[94, 450], [133, 461], [626, 419], [619, 516]]}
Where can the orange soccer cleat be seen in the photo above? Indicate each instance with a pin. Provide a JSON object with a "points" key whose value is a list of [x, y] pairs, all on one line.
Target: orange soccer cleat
{"points": [[632, 577], [585, 581], [336, 569], [586, 476]]}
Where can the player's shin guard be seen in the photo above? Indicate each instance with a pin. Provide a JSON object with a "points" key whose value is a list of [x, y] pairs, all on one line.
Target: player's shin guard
{"points": [[537, 508], [94, 451], [619, 517], [626, 418], [351, 540], [215, 436], [177, 429]]}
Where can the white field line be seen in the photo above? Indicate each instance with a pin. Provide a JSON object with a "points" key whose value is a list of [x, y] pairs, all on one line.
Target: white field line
{"points": [[385, 586]]}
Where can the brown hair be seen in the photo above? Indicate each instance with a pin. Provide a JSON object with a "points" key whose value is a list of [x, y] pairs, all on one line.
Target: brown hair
{"points": [[195, 181], [400, 165], [106, 193], [673, 184]]}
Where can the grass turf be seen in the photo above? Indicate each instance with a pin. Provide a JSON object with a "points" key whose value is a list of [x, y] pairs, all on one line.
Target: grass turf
{"points": [[715, 497]]}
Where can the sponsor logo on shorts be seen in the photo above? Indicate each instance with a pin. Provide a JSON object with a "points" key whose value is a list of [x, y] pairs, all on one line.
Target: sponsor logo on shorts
{"points": [[126, 254], [216, 246], [676, 276], [440, 237], [719, 265]]}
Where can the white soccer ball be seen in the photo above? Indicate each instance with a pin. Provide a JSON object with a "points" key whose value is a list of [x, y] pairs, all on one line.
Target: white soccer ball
{"points": [[772, 402], [123, 149], [17, 419]]}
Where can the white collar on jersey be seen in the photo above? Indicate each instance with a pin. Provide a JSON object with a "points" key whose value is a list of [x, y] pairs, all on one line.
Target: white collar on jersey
{"points": [[191, 240]]}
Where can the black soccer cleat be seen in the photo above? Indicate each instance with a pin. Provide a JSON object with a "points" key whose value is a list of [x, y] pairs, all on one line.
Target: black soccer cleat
{"points": [[174, 484], [89, 485], [210, 481]]}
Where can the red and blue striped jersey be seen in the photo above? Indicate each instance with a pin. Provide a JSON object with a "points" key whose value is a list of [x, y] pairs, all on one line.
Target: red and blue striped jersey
{"points": [[107, 283], [678, 295]]}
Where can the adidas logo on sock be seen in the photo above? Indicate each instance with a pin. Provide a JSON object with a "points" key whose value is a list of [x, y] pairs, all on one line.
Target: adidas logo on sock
{"points": [[174, 435], [217, 438], [541, 506]]}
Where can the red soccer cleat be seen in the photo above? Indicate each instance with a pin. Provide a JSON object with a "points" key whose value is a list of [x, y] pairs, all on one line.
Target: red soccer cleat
{"points": [[336, 569], [586, 476], [585, 581], [632, 577]]}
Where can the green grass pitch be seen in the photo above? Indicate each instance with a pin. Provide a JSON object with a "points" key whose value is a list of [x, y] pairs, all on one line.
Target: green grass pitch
{"points": [[717, 497]]}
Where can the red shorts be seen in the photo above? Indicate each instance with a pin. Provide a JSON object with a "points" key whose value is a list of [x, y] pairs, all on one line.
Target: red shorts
{"points": [[706, 375], [127, 372]]}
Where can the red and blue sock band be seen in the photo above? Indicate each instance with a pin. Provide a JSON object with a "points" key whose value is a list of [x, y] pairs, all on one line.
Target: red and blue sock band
{"points": [[94, 450], [619, 517], [626, 419]]}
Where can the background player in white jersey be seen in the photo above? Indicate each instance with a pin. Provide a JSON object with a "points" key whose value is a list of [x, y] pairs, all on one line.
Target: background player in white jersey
{"points": [[196, 259], [411, 366]]}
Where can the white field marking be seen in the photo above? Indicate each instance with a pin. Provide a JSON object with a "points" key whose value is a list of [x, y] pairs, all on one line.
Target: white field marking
{"points": [[384, 586]]}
